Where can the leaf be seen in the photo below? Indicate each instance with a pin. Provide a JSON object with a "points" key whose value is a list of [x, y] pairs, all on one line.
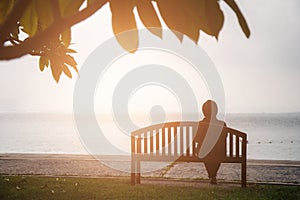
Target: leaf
{"points": [[66, 37], [67, 71], [42, 63], [195, 9], [69, 60], [205, 15], [123, 21], [195, 12], [44, 13], [89, 2], [178, 35], [149, 17], [69, 7], [241, 18], [56, 70], [29, 20], [5, 8], [214, 18], [176, 18], [71, 51], [47, 62]]}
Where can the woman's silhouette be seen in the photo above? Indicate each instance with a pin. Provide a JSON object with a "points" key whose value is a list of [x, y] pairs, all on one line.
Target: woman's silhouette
{"points": [[210, 140]]}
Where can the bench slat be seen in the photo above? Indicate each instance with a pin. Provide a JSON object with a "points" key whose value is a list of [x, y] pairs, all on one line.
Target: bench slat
{"points": [[230, 145], [145, 142], [151, 141], [187, 139], [181, 140], [237, 147], [139, 145], [163, 141], [169, 140], [175, 141], [133, 144], [157, 141]]}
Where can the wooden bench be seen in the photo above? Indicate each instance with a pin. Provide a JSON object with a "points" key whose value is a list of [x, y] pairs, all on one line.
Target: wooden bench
{"points": [[173, 141]]}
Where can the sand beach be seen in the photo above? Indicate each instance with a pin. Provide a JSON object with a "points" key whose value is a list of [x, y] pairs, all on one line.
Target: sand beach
{"points": [[258, 171]]}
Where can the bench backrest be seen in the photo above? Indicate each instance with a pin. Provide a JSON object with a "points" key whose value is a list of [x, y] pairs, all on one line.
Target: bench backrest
{"points": [[176, 139]]}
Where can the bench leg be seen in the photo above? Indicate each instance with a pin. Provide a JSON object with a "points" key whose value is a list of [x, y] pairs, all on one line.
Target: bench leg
{"points": [[244, 174], [138, 174], [132, 178], [133, 163]]}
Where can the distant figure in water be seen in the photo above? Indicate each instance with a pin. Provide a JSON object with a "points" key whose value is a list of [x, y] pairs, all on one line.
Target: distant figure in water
{"points": [[210, 141]]}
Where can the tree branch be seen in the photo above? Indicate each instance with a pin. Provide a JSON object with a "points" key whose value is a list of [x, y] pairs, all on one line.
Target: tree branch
{"points": [[241, 18], [12, 19], [12, 52], [55, 10]]}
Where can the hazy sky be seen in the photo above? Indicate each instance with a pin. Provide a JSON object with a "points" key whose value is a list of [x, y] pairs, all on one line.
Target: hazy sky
{"points": [[260, 74]]}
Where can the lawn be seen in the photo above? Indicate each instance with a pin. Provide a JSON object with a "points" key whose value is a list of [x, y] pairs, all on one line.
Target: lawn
{"points": [[35, 187]]}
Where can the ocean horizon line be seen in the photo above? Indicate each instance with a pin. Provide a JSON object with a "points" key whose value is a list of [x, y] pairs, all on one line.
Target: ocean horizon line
{"points": [[138, 113]]}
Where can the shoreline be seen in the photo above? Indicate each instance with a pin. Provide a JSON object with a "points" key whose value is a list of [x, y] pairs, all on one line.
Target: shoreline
{"points": [[92, 157], [258, 171]]}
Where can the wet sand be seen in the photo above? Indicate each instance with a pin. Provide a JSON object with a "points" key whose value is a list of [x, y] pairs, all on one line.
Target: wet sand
{"points": [[258, 171]]}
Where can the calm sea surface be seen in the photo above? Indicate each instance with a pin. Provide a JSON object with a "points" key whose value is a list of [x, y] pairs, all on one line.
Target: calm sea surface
{"points": [[270, 136]]}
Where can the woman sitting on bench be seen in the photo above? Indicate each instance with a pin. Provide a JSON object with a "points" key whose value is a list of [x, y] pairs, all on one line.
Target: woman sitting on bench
{"points": [[210, 142]]}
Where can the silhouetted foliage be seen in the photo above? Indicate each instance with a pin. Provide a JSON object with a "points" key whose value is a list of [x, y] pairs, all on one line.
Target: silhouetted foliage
{"points": [[47, 25]]}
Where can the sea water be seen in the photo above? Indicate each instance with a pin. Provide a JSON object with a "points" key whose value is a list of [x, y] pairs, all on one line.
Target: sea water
{"points": [[270, 136]]}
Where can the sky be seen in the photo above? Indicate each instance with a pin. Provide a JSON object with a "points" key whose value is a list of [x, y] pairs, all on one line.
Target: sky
{"points": [[259, 75]]}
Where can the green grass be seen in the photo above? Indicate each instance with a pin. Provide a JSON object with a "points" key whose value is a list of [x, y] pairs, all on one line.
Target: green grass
{"points": [[34, 187]]}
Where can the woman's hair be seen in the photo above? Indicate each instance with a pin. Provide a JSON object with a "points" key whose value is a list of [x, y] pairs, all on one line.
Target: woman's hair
{"points": [[210, 108]]}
